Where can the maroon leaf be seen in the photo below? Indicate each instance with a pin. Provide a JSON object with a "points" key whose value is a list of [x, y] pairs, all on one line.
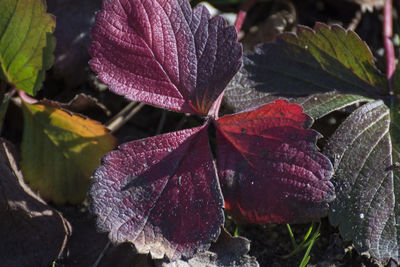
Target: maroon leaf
{"points": [[269, 167], [161, 194], [163, 53]]}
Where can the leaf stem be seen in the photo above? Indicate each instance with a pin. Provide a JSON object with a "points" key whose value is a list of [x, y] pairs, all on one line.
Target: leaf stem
{"points": [[27, 98], [241, 16], [121, 118], [355, 21], [389, 47], [101, 256], [162, 122]]}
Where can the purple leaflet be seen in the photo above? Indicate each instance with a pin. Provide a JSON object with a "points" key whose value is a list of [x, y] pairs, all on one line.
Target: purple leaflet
{"points": [[163, 53], [160, 193], [269, 168]]}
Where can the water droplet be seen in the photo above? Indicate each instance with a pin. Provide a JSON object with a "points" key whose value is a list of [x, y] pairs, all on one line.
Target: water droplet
{"points": [[307, 185], [333, 210], [306, 46], [143, 143], [169, 149], [361, 215], [252, 182]]}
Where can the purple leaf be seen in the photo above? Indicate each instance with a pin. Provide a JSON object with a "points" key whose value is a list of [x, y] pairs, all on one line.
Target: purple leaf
{"points": [[161, 194], [269, 167], [163, 53]]}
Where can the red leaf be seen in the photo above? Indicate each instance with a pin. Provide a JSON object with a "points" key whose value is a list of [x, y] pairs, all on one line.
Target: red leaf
{"points": [[269, 167], [161, 194], [163, 53]]}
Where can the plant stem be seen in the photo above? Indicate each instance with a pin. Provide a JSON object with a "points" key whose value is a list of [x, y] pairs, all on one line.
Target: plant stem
{"points": [[355, 21], [121, 118], [246, 6], [162, 122], [101, 256], [26, 98], [389, 48]]}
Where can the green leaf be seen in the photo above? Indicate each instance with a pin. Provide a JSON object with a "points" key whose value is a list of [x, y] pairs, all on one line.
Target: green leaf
{"points": [[60, 151], [315, 61], [334, 48], [319, 105], [26, 43], [365, 150]]}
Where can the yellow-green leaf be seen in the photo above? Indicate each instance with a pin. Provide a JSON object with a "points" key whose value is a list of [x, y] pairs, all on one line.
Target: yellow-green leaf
{"points": [[60, 151], [26, 43]]}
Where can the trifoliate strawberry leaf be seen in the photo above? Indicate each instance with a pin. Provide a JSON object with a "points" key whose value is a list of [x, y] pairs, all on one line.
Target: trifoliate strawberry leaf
{"points": [[26, 43], [320, 60], [160, 193], [164, 54], [269, 167], [365, 150], [60, 151]]}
